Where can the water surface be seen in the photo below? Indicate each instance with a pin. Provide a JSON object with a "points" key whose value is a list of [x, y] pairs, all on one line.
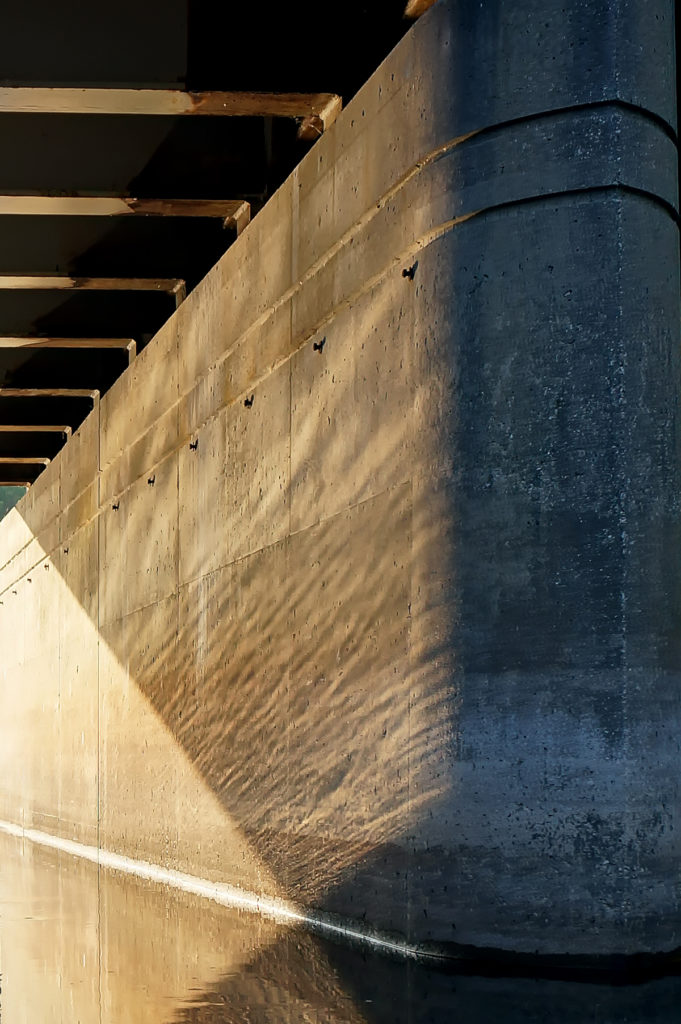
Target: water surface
{"points": [[80, 945]]}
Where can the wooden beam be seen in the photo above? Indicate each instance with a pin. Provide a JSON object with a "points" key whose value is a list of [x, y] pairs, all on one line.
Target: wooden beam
{"points": [[22, 460], [320, 109], [20, 342], [48, 282], [241, 219], [315, 123], [48, 393], [232, 211], [415, 8], [52, 428]]}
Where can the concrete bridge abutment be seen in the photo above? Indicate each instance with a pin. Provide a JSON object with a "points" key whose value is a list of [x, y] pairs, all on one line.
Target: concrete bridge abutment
{"points": [[398, 640]]}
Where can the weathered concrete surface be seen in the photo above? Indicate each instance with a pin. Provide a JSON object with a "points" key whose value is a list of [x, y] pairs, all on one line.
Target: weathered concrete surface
{"points": [[399, 638]]}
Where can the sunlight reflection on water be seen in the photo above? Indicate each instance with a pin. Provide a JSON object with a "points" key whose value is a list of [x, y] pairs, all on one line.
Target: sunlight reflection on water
{"points": [[84, 946]]}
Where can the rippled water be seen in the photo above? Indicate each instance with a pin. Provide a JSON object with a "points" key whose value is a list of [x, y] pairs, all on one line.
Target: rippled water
{"points": [[82, 946]]}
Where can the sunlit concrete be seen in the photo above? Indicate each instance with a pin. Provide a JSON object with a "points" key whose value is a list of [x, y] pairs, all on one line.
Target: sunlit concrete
{"points": [[357, 587], [78, 944]]}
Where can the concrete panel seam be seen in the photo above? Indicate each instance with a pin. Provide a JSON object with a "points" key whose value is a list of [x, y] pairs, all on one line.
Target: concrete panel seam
{"points": [[290, 535]]}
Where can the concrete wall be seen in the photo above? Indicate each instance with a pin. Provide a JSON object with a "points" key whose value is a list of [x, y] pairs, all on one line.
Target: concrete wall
{"points": [[399, 638]]}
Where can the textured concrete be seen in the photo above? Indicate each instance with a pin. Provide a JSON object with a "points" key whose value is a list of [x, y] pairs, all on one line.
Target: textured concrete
{"points": [[399, 637]]}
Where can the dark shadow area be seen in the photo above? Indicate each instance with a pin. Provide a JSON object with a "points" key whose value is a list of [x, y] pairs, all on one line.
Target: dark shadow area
{"points": [[36, 443], [84, 314], [53, 410], [82, 43], [88, 368], [378, 990], [133, 246], [303, 47], [148, 157]]}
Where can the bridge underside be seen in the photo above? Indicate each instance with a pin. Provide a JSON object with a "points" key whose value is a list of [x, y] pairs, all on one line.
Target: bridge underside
{"points": [[138, 141]]}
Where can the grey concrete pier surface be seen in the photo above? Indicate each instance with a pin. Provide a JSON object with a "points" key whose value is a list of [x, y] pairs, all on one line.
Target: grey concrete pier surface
{"points": [[554, 315], [360, 589]]}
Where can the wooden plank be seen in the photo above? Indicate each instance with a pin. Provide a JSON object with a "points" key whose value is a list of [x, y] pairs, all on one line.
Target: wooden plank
{"points": [[232, 211], [323, 107]]}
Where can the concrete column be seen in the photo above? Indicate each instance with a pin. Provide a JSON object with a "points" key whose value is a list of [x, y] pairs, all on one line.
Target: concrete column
{"points": [[554, 312]]}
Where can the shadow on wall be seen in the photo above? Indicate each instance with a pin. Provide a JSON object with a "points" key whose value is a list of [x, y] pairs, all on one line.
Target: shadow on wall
{"points": [[308, 680], [299, 700], [283, 720]]}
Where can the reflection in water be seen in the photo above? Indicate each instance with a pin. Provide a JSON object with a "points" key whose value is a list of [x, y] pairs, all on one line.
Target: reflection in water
{"points": [[82, 946]]}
